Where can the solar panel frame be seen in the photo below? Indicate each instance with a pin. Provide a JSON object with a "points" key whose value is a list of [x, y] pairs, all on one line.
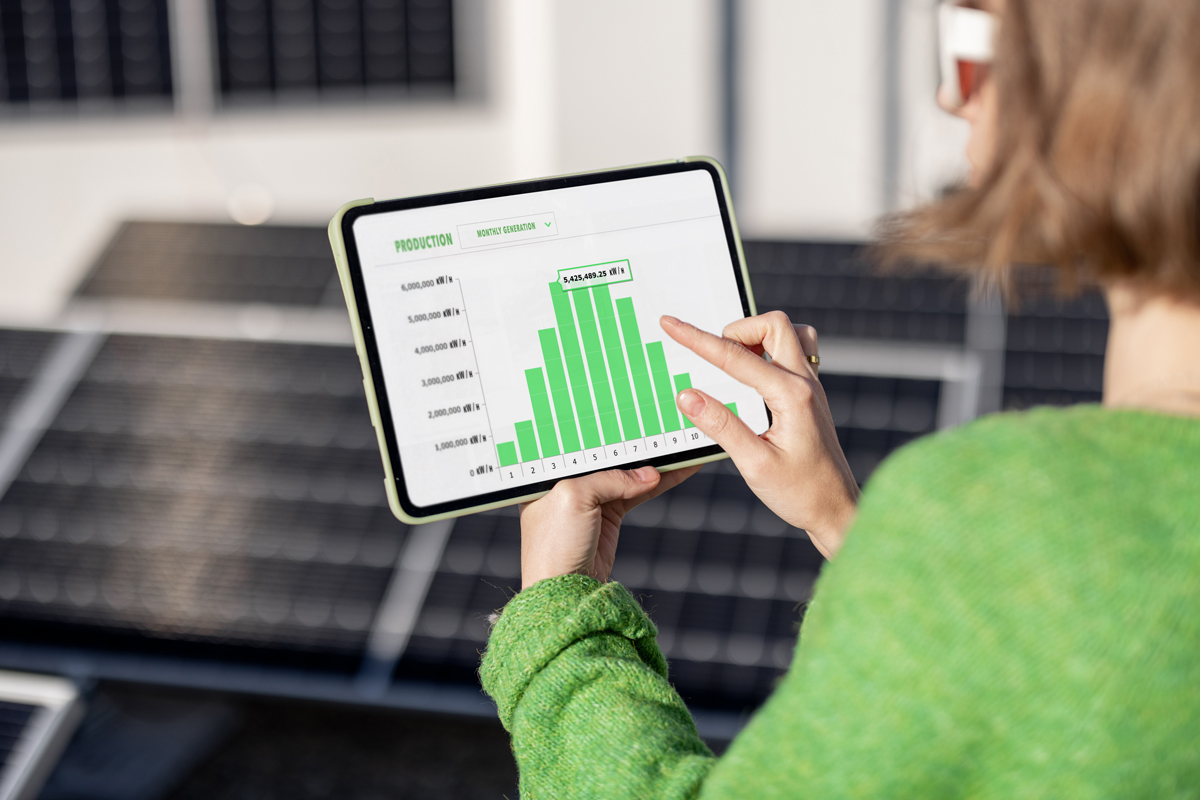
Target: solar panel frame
{"points": [[44, 712]]}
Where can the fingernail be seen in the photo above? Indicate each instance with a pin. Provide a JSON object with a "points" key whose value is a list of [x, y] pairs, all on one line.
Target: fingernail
{"points": [[645, 474], [691, 403], [667, 318]]}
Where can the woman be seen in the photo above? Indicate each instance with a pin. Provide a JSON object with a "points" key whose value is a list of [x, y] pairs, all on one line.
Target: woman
{"points": [[1014, 612]]}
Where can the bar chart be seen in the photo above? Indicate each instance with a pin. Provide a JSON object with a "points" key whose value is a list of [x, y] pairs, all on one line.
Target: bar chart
{"points": [[512, 360], [601, 392]]}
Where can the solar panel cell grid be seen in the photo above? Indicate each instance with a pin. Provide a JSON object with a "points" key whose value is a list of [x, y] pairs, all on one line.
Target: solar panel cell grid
{"points": [[93, 50], [214, 263], [21, 355], [835, 288], [204, 490], [300, 47], [874, 416], [199, 596], [1055, 351]]}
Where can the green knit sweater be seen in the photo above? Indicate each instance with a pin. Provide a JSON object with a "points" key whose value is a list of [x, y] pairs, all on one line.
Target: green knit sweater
{"points": [[1015, 614]]}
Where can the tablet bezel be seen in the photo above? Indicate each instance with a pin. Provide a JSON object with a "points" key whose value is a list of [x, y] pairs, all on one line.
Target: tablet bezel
{"points": [[345, 252]]}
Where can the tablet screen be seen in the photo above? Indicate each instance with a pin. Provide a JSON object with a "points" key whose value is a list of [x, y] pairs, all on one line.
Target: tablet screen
{"points": [[518, 336]]}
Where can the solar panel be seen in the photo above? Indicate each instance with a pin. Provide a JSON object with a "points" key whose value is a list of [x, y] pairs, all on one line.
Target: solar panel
{"points": [[205, 492], [834, 287], [88, 50], [1055, 351], [305, 46], [216, 263]]}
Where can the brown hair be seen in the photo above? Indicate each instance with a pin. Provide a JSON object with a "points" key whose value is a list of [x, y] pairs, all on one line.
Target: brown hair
{"points": [[1096, 167]]}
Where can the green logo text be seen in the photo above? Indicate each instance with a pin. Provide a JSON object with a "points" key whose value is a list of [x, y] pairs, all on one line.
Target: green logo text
{"points": [[423, 242]]}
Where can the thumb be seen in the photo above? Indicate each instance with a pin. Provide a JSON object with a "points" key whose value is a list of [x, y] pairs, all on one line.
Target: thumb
{"points": [[719, 424], [614, 484]]}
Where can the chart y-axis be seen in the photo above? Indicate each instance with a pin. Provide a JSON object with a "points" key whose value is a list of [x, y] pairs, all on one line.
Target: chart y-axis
{"points": [[478, 372]]}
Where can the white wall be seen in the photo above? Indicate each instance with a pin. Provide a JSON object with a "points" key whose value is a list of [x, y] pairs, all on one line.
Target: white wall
{"points": [[638, 81], [811, 148], [932, 143], [615, 83]]}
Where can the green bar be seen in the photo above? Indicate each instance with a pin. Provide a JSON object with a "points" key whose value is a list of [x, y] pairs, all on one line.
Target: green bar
{"points": [[575, 370], [662, 386], [595, 362], [558, 390], [508, 453], [682, 382], [616, 362], [637, 366], [540, 399], [528, 442], [733, 407]]}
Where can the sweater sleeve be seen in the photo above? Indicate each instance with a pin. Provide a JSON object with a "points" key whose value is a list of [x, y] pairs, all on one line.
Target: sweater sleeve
{"points": [[581, 687]]}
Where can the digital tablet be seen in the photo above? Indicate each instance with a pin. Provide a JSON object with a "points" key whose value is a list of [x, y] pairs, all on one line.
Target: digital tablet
{"points": [[509, 335]]}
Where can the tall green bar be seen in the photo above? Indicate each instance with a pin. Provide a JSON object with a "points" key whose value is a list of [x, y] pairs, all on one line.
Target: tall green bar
{"points": [[527, 441], [662, 386], [558, 390], [682, 382], [595, 361], [616, 362], [540, 399], [637, 366], [507, 451], [575, 371]]}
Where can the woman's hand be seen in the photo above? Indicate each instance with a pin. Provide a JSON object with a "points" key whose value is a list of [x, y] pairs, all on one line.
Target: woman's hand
{"points": [[797, 467], [574, 528]]}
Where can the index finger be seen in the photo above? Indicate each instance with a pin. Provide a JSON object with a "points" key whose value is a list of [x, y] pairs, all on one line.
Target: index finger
{"points": [[729, 357]]}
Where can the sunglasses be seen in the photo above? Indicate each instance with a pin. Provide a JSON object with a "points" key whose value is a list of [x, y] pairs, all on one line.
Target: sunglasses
{"points": [[965, 38]]}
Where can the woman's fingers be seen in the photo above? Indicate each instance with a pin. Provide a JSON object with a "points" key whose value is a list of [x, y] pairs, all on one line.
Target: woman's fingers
{"points": [[730, 357], [722, 426], [775, 332], [669, 481], [599, 488]]}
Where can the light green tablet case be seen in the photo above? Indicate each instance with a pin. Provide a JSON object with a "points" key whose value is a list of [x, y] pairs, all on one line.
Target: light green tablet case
{"points": [[338, 243]]}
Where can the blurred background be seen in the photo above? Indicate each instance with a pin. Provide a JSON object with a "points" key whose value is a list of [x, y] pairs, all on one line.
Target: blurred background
{"points": [[202, 591]]}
